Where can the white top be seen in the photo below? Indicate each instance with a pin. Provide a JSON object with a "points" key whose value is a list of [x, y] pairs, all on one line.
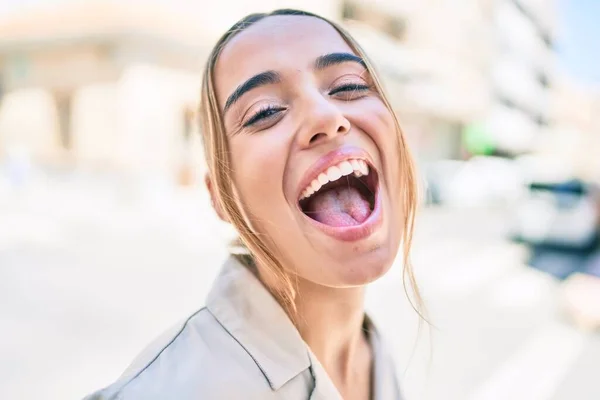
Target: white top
{"points": [[242, 345]]}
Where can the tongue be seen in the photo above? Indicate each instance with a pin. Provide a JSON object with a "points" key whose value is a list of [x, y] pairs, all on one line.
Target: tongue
{"points": [[341, 206]]}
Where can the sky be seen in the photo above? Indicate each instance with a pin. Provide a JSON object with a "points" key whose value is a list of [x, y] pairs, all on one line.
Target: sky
{"points": [[578, 43]]}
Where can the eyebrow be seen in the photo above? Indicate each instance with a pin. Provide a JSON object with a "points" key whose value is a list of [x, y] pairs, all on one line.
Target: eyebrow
{"points": [[331, 59], [264, 78]]}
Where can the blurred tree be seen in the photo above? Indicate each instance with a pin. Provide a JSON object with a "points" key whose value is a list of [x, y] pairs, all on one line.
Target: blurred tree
{"points": [[477, 140]]}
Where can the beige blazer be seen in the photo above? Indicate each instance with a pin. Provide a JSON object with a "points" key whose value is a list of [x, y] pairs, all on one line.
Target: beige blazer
{"points": [[241, 345]]}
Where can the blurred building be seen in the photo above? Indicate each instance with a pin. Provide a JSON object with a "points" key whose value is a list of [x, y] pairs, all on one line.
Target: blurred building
{"points": [[116, 84], [522, 71], [100, 84]]}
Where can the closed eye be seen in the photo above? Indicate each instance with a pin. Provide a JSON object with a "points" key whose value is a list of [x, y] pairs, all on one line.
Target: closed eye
{"points": [[263, 114], [349, 87]]}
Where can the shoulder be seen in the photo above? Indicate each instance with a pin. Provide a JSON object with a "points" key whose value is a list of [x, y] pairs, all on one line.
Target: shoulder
{"points": [[198, 358]]}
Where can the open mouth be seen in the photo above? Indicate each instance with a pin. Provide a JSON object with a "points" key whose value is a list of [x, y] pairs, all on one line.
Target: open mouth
{"points": [[344, 195]]}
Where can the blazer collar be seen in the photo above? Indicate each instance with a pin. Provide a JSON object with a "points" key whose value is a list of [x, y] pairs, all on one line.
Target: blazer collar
{"points": [[248, 311]]}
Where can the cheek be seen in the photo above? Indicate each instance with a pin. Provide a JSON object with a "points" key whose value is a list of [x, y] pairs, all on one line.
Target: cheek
{"points": [[258, 165], [373, 117], [385, 127], [387, 139], [379, 124]]}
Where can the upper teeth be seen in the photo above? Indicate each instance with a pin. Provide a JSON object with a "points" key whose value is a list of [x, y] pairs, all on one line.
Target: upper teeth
{"points": [[335, 172]]}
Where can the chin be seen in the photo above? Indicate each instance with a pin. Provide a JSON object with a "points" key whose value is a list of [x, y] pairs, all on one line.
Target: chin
{"points": [[367, 267], [358, 263], [363, 274]]}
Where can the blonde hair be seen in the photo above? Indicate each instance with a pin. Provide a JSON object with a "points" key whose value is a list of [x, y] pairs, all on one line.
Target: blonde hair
{"points": [[217, 154]]}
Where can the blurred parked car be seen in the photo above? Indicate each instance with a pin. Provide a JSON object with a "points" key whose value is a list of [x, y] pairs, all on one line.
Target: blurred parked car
{"points": [[561, 215], [560, 221]]}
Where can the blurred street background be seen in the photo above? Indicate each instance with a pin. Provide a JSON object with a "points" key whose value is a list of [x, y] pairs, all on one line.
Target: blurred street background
{"points": [[107, 237]]}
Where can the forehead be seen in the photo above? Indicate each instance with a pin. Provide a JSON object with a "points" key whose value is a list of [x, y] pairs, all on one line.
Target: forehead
{"points": [[278, 43]]}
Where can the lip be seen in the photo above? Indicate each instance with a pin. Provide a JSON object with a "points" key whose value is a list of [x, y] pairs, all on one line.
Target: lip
{"points": [[344, 233], [332, 158]]}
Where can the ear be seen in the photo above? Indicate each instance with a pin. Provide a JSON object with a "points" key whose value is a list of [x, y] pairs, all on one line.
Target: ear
{"points": [[213, 198]]}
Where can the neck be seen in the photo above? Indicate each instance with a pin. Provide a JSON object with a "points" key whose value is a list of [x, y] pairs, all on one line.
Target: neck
{"points": [[330, 321]]}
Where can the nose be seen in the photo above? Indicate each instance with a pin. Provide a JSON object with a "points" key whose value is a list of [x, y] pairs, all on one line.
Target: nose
{"points": [[322, 121]]}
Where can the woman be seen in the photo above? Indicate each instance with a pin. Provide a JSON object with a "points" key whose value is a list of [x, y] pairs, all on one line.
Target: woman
{"points": [[307, 161]]}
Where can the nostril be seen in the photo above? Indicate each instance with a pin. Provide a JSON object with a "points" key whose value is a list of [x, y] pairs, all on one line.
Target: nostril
{"points": [[316, 137]]}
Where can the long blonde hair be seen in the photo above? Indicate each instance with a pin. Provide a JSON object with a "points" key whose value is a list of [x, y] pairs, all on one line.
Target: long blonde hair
{"points": [[217, 154]]}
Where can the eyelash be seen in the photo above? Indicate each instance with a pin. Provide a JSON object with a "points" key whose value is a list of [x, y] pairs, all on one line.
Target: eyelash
{"points": [[263, 113], [349, 87], [270, 111]]}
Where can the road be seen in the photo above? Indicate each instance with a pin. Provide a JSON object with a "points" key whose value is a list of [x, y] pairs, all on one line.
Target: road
{"points": [[94, 268]]}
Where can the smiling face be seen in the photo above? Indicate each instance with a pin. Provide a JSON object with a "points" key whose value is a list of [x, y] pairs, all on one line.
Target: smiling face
{"points": [[313, 150]]}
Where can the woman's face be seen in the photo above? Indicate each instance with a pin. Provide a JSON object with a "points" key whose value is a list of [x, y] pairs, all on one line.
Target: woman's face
{"points": [[313, 149]]}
